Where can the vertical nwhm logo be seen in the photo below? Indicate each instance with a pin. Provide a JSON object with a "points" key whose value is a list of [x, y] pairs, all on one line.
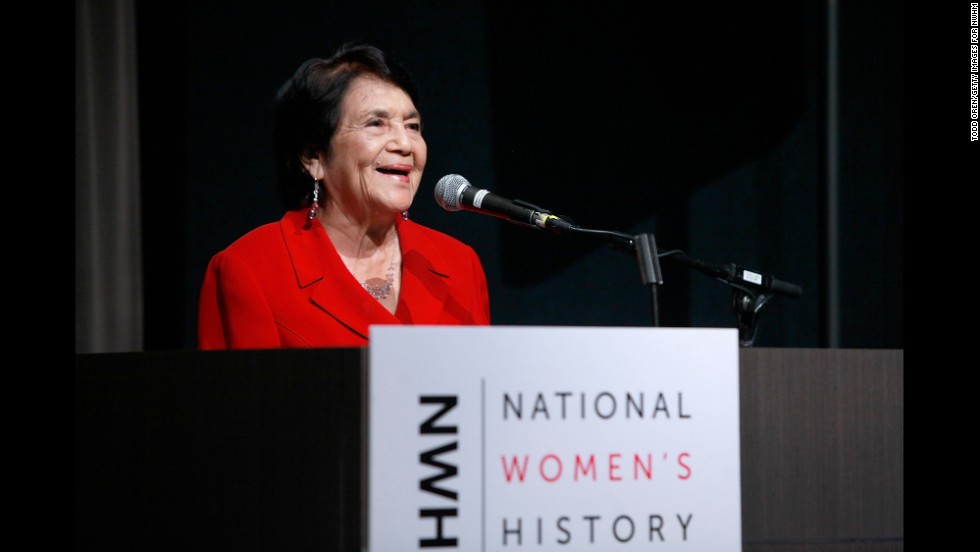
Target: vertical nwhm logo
{"points": [[445, 500]]}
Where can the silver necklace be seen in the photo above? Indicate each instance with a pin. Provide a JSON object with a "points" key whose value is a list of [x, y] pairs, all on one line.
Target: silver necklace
{"points": [[378, 288]]}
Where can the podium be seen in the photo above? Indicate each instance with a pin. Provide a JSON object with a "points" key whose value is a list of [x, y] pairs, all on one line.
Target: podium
{"points": [[262, 450]]}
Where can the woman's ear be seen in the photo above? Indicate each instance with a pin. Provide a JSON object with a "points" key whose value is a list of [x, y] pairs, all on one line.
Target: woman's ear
{"points": [[311, 160]]}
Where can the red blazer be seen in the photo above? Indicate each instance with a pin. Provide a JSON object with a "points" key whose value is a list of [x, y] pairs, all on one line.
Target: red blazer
{"points": [[284, 285]]}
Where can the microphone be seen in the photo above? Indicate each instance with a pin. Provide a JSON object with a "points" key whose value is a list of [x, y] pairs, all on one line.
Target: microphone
{"points": [[454, 193], [740, 276], [765, 282]]}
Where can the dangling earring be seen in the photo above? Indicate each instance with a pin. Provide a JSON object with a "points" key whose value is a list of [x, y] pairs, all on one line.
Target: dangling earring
{"points": [[316, 199]]}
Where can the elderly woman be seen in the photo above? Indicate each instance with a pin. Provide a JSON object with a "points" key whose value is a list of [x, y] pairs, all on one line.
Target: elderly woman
{"points": [[344, 256]]}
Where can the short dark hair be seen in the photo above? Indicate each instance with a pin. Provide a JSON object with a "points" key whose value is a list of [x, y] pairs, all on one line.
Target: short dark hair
{"points": [[307, 110]]}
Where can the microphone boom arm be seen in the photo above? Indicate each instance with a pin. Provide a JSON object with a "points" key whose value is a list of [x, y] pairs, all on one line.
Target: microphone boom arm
{"points": [[751, 291], [644, 246]]}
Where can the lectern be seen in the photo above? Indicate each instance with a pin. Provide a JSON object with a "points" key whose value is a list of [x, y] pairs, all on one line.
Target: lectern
{"points": [[262, 450]]}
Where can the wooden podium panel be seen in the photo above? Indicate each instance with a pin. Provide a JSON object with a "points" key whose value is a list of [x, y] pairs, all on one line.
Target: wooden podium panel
{"points": [[822, 449], [261, 450], [231, 450]]}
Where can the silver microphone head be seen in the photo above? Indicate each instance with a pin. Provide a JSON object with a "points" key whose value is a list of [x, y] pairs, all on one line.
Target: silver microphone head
{"points": [[449, 190]]}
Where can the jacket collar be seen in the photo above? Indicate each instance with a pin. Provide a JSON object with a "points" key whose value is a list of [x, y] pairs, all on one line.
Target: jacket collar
{"points": [[425, 275]]}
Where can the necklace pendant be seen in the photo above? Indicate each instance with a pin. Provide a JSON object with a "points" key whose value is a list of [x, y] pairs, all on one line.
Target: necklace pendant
{"points": [[378, 288]]}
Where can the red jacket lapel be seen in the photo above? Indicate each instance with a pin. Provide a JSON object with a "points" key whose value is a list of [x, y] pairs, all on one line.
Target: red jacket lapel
{"points": [[424, 287]]}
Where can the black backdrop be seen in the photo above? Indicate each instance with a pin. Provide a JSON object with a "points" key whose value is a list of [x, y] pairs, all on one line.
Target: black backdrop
{"points": [[704, 125]]}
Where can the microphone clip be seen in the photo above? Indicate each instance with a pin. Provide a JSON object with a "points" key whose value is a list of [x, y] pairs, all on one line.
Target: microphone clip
{"points": [[537, 211], [531, 206], [544, 218]]}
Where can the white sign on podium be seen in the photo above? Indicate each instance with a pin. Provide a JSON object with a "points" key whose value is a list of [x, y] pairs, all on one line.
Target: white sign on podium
{"points": [[553, 438]]}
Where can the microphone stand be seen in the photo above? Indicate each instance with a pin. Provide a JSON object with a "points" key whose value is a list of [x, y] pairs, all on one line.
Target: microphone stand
{"points": [[751, 291], [746, 304]]}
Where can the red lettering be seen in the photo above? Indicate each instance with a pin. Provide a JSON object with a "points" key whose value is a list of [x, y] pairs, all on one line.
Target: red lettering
{"points": [[680, 460], [514, 466], [613, 467], [584, 469], [541, 468], [638, 465], [551, 466]]}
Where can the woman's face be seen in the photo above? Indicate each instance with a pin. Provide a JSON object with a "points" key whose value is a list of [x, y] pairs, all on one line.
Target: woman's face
{"points": [[377, 154]]}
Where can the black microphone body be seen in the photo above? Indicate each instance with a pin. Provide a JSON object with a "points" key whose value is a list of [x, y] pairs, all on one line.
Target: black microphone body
{"points": [[454, 193], [481, 201]]}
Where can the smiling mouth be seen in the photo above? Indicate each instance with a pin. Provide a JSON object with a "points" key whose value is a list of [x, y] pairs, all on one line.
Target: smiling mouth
{"points": [[392, 171]]}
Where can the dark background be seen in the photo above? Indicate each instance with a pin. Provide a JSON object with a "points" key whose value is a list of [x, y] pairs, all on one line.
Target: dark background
{"points": [[703, 124]]}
